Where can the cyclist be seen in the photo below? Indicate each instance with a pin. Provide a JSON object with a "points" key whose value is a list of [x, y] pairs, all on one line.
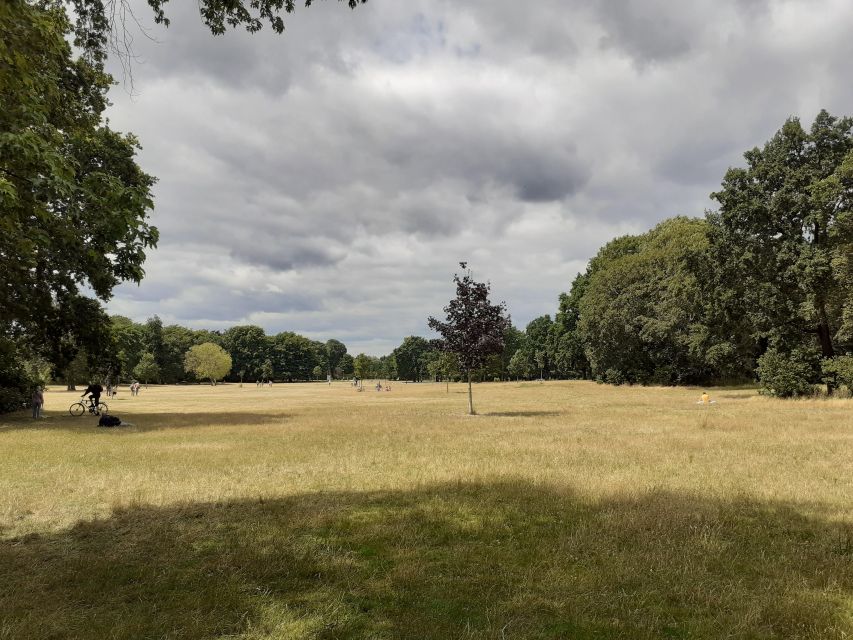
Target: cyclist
{"points": [[94, 390]]}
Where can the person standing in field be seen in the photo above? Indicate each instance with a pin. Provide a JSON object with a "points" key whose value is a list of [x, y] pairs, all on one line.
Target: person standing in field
{"points": [[37, 402]]}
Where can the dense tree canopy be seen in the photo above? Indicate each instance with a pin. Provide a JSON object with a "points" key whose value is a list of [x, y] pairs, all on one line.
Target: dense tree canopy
{"points": [[783, 237], [762, 287], [641, 316], [147, 370], [208, 361], [249, 349], [74, 204], [335, 352], [410, 360]]}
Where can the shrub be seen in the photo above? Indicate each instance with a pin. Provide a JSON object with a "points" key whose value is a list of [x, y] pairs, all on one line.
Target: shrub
{"points": [[838, 370], [615, 377], [785, 375], [11, 399]]}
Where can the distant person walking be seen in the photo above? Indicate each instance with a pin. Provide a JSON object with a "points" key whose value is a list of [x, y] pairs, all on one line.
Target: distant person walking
{"points": [[37, 402]]}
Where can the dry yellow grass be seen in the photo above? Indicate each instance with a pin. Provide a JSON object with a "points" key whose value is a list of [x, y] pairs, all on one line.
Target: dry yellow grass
{"points": [[307, 511]]}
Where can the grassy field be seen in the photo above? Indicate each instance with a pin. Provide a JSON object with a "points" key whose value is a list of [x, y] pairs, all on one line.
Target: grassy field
{"points": [[563, 510]]}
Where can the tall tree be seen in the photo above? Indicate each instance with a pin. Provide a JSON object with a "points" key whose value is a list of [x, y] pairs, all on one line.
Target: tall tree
{"points": [[409, 358], [473, 328], [249, 349], [73, 202], [147, 368], [443, 365], [347, 365], [784, 231], [569, 357], [176, 341], [362, 366], [388, 367], [153, 332], [641, 316], [335, 350], [539, 338], [522, 364], [294, 357], [129, 340]]}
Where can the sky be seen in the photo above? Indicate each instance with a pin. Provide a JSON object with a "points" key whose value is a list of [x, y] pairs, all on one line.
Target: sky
{"points": [[328, 180]]}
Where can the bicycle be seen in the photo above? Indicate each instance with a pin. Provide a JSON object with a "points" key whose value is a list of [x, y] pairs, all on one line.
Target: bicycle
{"points": [[80, 407]]}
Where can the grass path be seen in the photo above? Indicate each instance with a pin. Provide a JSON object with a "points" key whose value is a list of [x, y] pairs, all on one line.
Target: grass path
{"points": [[564, 510]]}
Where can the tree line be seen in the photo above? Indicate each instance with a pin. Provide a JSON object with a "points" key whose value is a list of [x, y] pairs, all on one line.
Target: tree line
{"points": [[153, 353], [759, 289]]}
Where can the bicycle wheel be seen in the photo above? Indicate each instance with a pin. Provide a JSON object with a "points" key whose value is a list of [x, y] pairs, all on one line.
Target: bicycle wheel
{"points": [[102, 409], [77, 409]]}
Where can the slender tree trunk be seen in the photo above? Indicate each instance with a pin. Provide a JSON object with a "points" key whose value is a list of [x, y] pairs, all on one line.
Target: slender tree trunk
{"points": [[824, 335], [470, 396], [447, 381]]}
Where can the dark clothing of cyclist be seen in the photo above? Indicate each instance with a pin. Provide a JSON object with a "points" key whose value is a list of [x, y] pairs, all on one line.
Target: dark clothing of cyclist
{"points": [[94, 391]]}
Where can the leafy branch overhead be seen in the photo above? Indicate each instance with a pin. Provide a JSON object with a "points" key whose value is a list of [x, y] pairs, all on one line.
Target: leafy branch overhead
{"points": [[99, 20], [74, 204]]}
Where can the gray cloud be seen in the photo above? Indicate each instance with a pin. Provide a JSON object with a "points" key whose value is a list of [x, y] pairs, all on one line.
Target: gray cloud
{"points": [[328, 181]]}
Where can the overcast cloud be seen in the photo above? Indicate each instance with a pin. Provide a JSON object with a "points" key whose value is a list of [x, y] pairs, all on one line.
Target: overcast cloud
{"points": [[328, 181]]}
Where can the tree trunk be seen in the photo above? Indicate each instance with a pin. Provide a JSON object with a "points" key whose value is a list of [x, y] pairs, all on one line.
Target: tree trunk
{"points": [[448, 384], [470, 396], [824, 335]]}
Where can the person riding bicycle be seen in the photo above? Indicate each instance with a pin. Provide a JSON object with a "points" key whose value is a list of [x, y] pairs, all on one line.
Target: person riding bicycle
{"points": [[94, 392]]}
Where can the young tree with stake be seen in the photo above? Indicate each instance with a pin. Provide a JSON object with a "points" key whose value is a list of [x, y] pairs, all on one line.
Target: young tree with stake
{"points": [[474, 327]]}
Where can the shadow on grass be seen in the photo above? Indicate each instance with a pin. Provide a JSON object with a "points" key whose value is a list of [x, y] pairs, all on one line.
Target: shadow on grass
{"points": [[448, 561], [142, 422]]}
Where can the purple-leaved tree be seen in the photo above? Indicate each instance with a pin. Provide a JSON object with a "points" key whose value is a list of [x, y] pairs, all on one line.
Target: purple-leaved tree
{"points": [[474, 327]]}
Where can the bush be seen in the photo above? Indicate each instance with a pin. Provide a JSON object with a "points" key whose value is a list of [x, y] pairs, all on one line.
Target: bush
{"points": [[15, 382], [785, 375], [615, 377], [11, 399], [838, 370]]}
